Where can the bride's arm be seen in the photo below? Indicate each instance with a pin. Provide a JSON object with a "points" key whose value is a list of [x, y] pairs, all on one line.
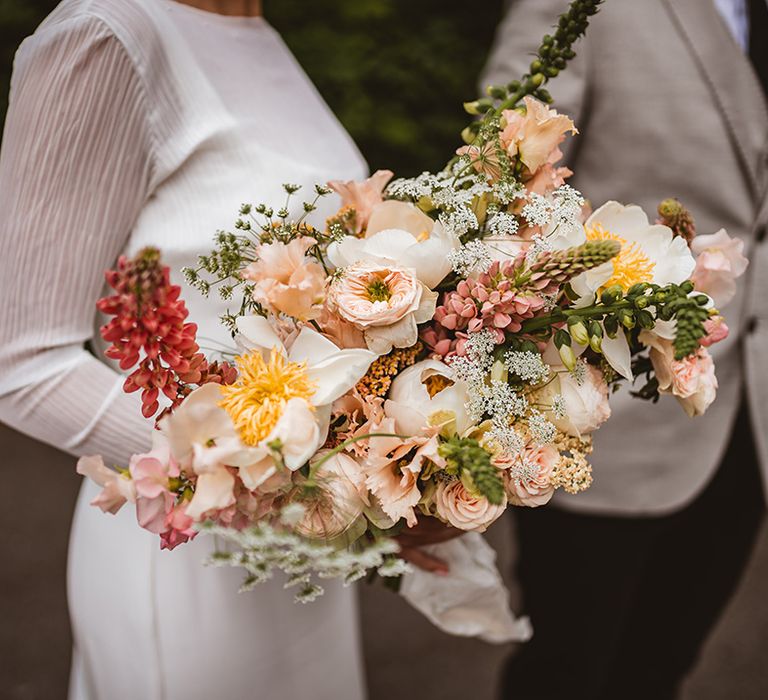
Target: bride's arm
{"points": [[75, 168]]}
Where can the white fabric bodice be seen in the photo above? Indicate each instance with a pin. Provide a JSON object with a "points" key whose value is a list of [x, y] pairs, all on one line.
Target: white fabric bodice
{"points": [[135, 123]]}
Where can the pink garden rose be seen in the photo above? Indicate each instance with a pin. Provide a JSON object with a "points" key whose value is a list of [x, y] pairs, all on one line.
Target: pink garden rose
{"points": [[384, 301], [691, 381], [720, 261], [288, 281], [535, 135], [362, 196], [529, 474], [464, 509]]}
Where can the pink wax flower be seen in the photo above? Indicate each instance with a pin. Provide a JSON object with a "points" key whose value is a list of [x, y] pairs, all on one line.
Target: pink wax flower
{"points": [[362, 196]]}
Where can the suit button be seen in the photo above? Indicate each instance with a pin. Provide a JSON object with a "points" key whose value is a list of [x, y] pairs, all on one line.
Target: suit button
{"points": [[751, 325], [760, 235]]}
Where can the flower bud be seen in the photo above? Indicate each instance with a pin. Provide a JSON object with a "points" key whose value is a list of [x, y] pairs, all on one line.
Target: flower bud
{"points": [[578, 330], [567, 357]]}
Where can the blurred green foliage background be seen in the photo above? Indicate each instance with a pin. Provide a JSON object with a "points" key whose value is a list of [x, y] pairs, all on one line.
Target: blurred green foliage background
{"points": [[394, 71]]}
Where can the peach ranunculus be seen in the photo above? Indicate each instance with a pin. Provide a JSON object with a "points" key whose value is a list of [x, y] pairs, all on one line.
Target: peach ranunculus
{"points": [[691, 381], [362, 196], [287, 280], [392, 468], [463, 508], [720, 260], [528, 475], [337, 502], [535, 135], [386, 302]]}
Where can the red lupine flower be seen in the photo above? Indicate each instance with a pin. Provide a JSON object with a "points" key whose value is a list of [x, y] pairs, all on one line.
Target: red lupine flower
{"points": [[149, 319]]}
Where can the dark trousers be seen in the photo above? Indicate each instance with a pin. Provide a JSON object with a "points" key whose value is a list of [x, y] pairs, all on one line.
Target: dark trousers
{"points": [[621, 606]]}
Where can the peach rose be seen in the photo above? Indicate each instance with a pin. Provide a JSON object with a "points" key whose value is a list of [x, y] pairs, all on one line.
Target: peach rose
{"points": [[529, 474], [465, 509], [287, 280], [384, 301], [691, 381], [720, 261], [535, 135], [362, 196], [338, 501]]}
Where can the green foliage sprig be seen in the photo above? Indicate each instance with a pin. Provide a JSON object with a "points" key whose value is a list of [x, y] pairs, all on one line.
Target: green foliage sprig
{"points": [[466, 459]]}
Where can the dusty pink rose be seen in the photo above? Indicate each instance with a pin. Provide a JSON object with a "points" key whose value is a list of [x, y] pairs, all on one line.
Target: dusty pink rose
{"points": [[287, 280], [720, 261], [716, 329], [529, 474], [362, 196], [117, 488], [535, 135], [384, 301], [691, 381], [463, 508]]}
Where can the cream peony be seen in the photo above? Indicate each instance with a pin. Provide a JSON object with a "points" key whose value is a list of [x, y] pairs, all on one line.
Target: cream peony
{"points": [[691, 381], [427, 395], [286, 280], [586, 403], [385, 301], [400, 234], [720, 261], [464, 509]]}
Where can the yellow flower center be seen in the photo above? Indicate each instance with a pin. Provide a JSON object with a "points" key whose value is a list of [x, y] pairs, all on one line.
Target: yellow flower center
{"points": [[630, 266], [256, 401]]}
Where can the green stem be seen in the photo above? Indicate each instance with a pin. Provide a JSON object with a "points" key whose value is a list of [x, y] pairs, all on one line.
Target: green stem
{"points": [[534, 324], [313, 468]]}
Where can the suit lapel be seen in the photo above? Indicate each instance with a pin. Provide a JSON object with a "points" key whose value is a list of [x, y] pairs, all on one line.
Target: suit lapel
{"points": [[731, 79]]}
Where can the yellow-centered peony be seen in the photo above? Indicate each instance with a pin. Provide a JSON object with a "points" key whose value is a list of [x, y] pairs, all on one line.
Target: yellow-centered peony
{"points": [[257, 399], [630, 266]]}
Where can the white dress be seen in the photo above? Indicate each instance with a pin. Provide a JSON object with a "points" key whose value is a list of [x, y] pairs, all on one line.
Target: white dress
{"points": [[134, 123]]}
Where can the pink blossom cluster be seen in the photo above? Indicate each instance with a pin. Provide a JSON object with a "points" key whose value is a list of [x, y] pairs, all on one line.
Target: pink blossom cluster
{"points": [[491, 301], [149, 318]]}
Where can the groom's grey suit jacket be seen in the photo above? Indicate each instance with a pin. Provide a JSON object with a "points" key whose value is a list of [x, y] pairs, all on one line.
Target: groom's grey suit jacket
{"points": [[667, 105]]}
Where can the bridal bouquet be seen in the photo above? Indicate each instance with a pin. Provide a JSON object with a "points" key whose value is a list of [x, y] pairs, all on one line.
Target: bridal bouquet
{"points": [[442, 347]]}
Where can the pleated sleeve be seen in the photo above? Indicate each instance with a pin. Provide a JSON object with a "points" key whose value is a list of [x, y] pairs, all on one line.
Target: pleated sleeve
{"points": [[75, 169]]}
